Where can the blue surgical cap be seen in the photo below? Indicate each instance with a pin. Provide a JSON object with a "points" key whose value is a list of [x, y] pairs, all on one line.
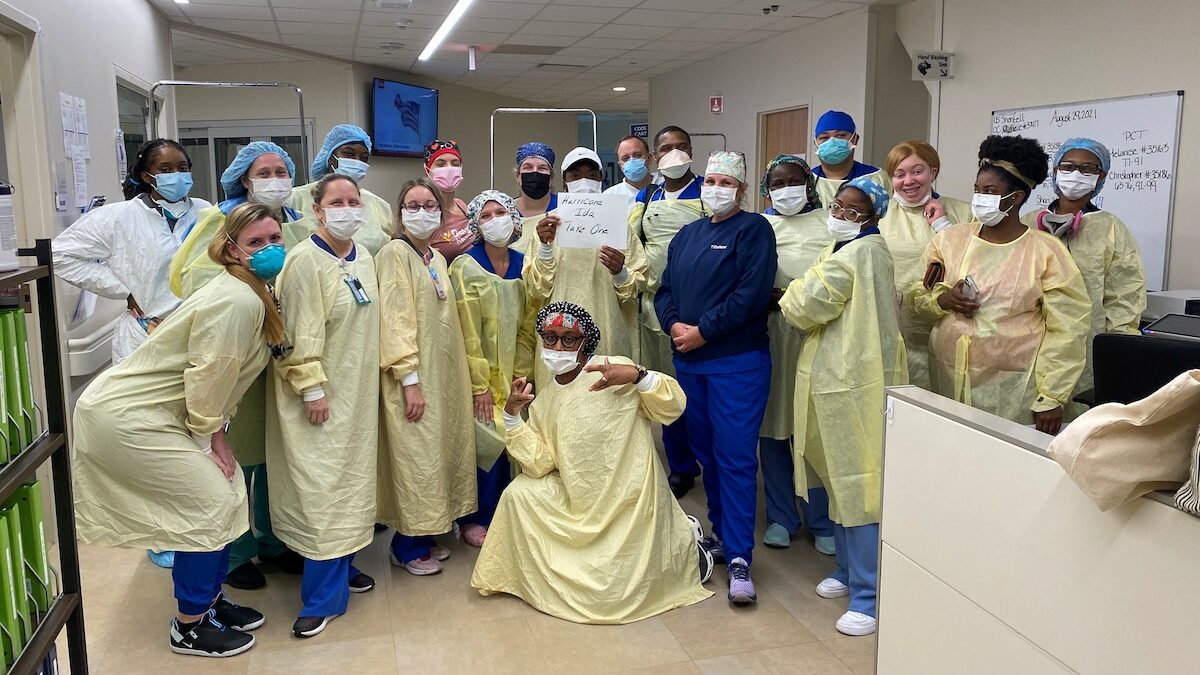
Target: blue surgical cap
{"points": [[834, 120], [874, 191], [231, 180], [342, 134], [1095, 147], [535, 149]]}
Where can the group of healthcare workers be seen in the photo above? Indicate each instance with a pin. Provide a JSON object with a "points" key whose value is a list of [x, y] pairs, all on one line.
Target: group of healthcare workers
{"points": [[383, 362]]}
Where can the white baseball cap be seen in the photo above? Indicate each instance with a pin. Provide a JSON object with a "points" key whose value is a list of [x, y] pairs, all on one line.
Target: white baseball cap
{"points": [[578, 154]]}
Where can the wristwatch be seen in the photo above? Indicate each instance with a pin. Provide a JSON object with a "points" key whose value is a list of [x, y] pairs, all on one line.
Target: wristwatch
{"points": [[641, 374]]}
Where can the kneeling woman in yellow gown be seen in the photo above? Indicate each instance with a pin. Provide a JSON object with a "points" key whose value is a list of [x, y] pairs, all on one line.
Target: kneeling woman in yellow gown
{"points": [[427, 452], [323, 406], [152, 467], [589, 531]]}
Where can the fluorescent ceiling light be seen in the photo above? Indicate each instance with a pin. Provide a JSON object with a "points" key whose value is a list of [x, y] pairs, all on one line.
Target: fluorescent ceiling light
{"points": [[181, 2], [439, 37], [619, 89]]}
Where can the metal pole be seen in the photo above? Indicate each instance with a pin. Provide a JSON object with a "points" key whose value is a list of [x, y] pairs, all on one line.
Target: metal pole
{"points": [[724, 141], [531, 111], [302, 166]]}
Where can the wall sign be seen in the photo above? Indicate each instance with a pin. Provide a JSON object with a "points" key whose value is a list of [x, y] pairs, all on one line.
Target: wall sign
{"points": [[639, 130], [716, 104], [933, 66]]}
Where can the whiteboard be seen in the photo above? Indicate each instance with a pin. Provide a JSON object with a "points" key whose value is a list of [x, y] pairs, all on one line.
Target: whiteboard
{"points": [[1142, 133]]}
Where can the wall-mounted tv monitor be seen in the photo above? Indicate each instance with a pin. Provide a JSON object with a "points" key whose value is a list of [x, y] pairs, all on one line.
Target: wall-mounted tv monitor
{"points": [[405, 118]]}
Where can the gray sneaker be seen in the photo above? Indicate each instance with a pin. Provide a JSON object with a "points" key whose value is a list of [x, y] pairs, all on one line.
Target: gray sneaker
{"points": [[741, 587]]}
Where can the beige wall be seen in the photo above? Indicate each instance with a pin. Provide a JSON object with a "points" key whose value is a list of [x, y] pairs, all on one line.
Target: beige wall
{"points": [[337, 92], [897, 107], [1006, 60]]}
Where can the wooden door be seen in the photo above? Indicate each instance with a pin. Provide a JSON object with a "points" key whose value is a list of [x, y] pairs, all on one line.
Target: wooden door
{"points": [[781, 132]]}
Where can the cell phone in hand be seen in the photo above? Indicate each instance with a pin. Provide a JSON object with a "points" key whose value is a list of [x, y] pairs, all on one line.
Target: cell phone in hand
{"points": [[970, 289]]}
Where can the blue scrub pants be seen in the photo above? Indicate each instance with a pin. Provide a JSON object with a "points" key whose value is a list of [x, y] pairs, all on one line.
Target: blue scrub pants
{"points": [[680, 458], [858, 564], [325, 586], [198, 578], [779, 486], [407, 549], [491, 484], [726, 400]]}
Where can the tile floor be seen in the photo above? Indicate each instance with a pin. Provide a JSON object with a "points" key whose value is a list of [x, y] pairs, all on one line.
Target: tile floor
{"points": [[439, 624]]}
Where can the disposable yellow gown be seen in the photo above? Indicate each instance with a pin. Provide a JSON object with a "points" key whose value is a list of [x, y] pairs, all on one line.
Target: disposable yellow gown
{"points": [[498, 332], [426, 470], [589, 531], [379, 218], [655, 224], [846, 304], [322, 477], [827, 187], [141, 478], [577, 275], [1111, 265], [1024, 349], [907, 232], [799, 241]]}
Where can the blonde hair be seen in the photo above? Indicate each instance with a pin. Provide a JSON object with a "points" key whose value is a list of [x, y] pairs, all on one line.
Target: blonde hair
{"points": [[924, 151], [235, 223]]}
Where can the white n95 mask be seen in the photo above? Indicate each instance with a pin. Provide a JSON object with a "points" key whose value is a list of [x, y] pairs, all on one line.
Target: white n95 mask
{"points": [[841, 229], [1075, 184], [344, 221], [584, 186], [986, 208], [420, 223], [719, 200], [270, 192], [677, 164], [559, 363], [499, 230], [789, 200]]}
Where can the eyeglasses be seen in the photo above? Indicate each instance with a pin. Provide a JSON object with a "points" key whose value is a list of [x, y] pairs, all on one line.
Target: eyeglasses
{"points": [[568, 342], [1085, 169], [838, 211], [428, 206]]}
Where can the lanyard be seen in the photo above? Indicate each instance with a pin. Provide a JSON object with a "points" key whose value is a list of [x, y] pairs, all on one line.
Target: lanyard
{"points": [[356, 288]]}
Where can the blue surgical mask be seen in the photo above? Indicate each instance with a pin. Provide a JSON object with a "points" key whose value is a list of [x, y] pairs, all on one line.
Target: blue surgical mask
{"points": [[635, 169], [267, 261], [834, 151], [351, 168], [174, 187]]}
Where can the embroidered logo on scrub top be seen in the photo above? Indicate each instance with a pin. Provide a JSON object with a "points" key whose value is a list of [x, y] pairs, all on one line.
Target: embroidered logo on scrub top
{"points": [[718, 247]]}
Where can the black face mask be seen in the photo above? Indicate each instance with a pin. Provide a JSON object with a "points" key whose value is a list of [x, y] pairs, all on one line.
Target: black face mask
{"points": [[535, 185]]}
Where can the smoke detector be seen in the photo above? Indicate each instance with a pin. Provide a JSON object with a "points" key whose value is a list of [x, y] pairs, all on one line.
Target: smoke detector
{"points": [[393, 4]]}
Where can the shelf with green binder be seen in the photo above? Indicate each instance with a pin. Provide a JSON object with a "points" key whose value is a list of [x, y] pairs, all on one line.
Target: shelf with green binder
{"points": [[20, 425]]}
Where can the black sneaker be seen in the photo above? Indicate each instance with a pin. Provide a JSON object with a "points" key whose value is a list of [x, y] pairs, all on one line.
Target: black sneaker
{"points": [[246, 577], [361, 583], [208, 637], [680, 484], [706, 559], [308, 626], [380, 527], [715, 548], [288, 562], [235, 616]]}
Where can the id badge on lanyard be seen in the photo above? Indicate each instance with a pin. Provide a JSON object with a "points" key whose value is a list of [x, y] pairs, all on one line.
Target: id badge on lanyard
{"points": [[356, 288]]}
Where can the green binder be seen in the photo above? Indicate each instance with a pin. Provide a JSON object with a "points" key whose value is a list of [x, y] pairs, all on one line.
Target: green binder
{"points": [[10, 631], [28, 414], [8, 442], [33, 542], [12, 384], [12, 516]]}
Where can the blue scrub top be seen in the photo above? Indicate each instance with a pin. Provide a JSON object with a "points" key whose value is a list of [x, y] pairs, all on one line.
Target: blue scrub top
{"points": [[516, 261]]}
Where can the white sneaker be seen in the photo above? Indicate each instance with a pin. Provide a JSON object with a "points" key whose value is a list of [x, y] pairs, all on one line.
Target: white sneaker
{"points": [[856, 623], [832, 588]]}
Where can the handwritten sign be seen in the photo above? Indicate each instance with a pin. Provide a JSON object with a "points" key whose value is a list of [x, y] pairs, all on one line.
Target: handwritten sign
{"points": [[593, 220]]}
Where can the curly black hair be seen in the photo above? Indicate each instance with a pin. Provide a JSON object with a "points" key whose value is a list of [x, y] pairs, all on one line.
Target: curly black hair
{"points": [[1025, 154], [133, 185]]}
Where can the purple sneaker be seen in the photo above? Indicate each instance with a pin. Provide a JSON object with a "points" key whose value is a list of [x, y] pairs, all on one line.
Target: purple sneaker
{"points": [[741, 588]]}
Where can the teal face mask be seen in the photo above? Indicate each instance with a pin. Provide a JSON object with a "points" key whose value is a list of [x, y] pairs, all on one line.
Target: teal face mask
{"points": [[266, 262], [834, 151]]}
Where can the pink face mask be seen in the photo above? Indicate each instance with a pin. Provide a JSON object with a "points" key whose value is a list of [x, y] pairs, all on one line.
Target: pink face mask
{"points": [[447, 178]]}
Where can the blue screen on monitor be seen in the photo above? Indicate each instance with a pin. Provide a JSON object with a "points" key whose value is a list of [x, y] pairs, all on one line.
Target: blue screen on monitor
{"points": [[405, 118]]}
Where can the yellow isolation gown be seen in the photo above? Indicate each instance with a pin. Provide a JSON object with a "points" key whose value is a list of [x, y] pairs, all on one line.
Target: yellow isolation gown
{"points": [[1023, 351], [378, 216], [799, 240], [846, 304], [589, 531], [1111, 265], [322, 477], [907, 233], [498, 332], [141, 477], [577, 275], [655, 223], [827, 187], [427, 469]]}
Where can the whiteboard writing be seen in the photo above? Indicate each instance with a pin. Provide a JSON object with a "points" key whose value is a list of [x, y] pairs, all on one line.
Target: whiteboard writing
{"points": [[1141, 133]]}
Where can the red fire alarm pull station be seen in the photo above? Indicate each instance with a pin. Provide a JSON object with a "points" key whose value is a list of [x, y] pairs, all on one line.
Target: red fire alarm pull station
{"points": [[716, 104]]}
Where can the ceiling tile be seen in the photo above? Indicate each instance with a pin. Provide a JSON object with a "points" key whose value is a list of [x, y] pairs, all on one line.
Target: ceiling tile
{"points": [[339, 52], [651, 17], [828, 9], [602, 53], [467, 37], [632, 32], [314, 28], [669, 46], [504, 10], [239, 3], [704, 35], [607, 3], [317, 15], [429, 22], [311, 41], [266, 27], [741, 21], [421, 35], [470, 23], [539, 27], [320, 4], [527, 38], [531, 59], [225, 12], [790, 23], [786, 8], [694, 5], [592, 13], [649, 57], [610, 43]]}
